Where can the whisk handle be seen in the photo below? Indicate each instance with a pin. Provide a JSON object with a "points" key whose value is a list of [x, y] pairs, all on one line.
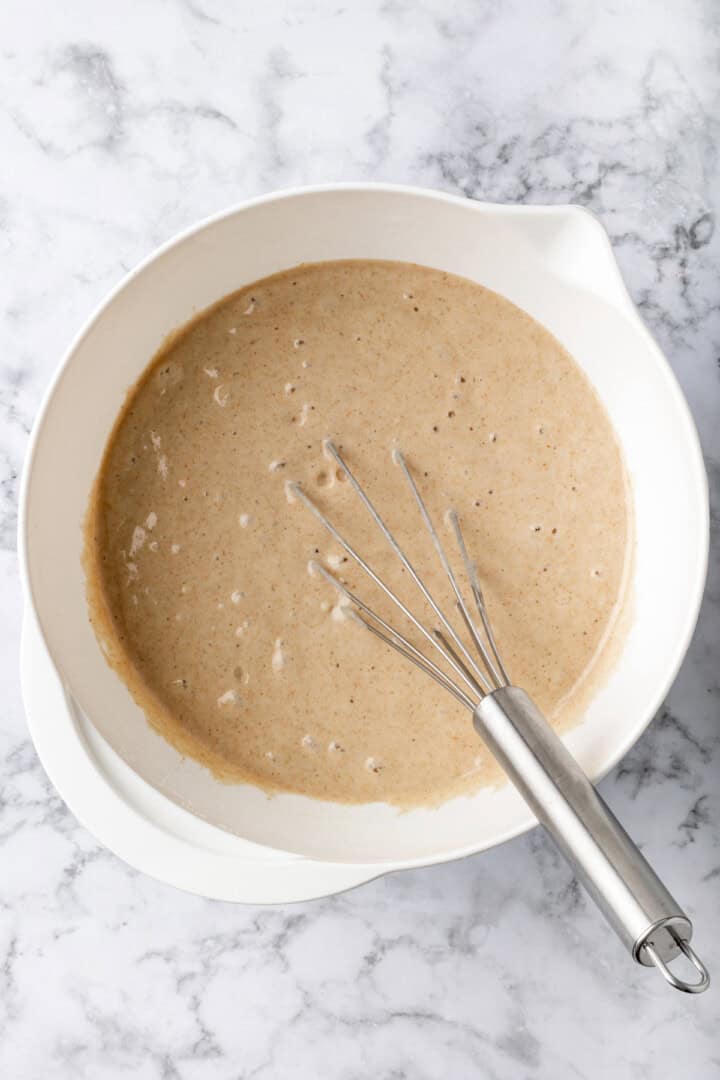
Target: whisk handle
{"points": [[648, 920]]}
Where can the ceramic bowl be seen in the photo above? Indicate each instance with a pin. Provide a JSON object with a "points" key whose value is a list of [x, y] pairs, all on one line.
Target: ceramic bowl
{"points": [[554, 262]]}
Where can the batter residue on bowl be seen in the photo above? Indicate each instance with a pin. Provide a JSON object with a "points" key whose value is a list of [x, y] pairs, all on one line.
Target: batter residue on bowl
{"points": [[197, 562]]}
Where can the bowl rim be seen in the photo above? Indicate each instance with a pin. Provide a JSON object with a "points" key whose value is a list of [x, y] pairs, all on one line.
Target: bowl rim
{"points": [[629, 310]]}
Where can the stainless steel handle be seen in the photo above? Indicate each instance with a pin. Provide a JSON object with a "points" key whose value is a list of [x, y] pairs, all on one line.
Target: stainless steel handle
{"points": [[648, 920]]}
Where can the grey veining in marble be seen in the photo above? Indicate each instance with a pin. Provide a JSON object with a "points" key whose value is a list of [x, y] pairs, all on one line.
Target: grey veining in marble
{"points": [[121, 123]]}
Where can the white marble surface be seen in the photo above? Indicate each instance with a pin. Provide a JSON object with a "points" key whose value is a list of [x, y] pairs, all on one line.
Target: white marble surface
{"points": [[121, 123]]}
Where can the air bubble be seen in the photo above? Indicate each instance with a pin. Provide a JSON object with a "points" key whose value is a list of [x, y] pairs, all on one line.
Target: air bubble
{"points": [[278, 656], [341, 608], [230, 697], [138, 539]]}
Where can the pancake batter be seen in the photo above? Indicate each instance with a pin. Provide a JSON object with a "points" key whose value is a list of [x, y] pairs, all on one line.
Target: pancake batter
{"points": [[197, 563]]}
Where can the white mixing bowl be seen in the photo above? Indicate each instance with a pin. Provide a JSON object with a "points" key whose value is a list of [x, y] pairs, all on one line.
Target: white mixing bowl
{"points": [[557, 264]]}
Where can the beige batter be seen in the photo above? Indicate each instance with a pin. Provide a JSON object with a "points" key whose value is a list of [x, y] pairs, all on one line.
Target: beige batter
{"points": [[197, 562]]}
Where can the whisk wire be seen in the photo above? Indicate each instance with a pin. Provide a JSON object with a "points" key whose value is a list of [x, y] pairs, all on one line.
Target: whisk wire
{"points": [[329, 447], [406, 649], [399, 459], [296, 490], [391, 635], [448, 644], [502, 678], [451, 653]]}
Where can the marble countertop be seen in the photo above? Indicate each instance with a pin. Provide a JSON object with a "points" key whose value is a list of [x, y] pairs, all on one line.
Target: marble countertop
{"points": [[122, 123]]}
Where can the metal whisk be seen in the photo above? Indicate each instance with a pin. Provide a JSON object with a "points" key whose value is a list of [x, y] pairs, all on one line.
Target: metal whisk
{"points": [[649, 922]]}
